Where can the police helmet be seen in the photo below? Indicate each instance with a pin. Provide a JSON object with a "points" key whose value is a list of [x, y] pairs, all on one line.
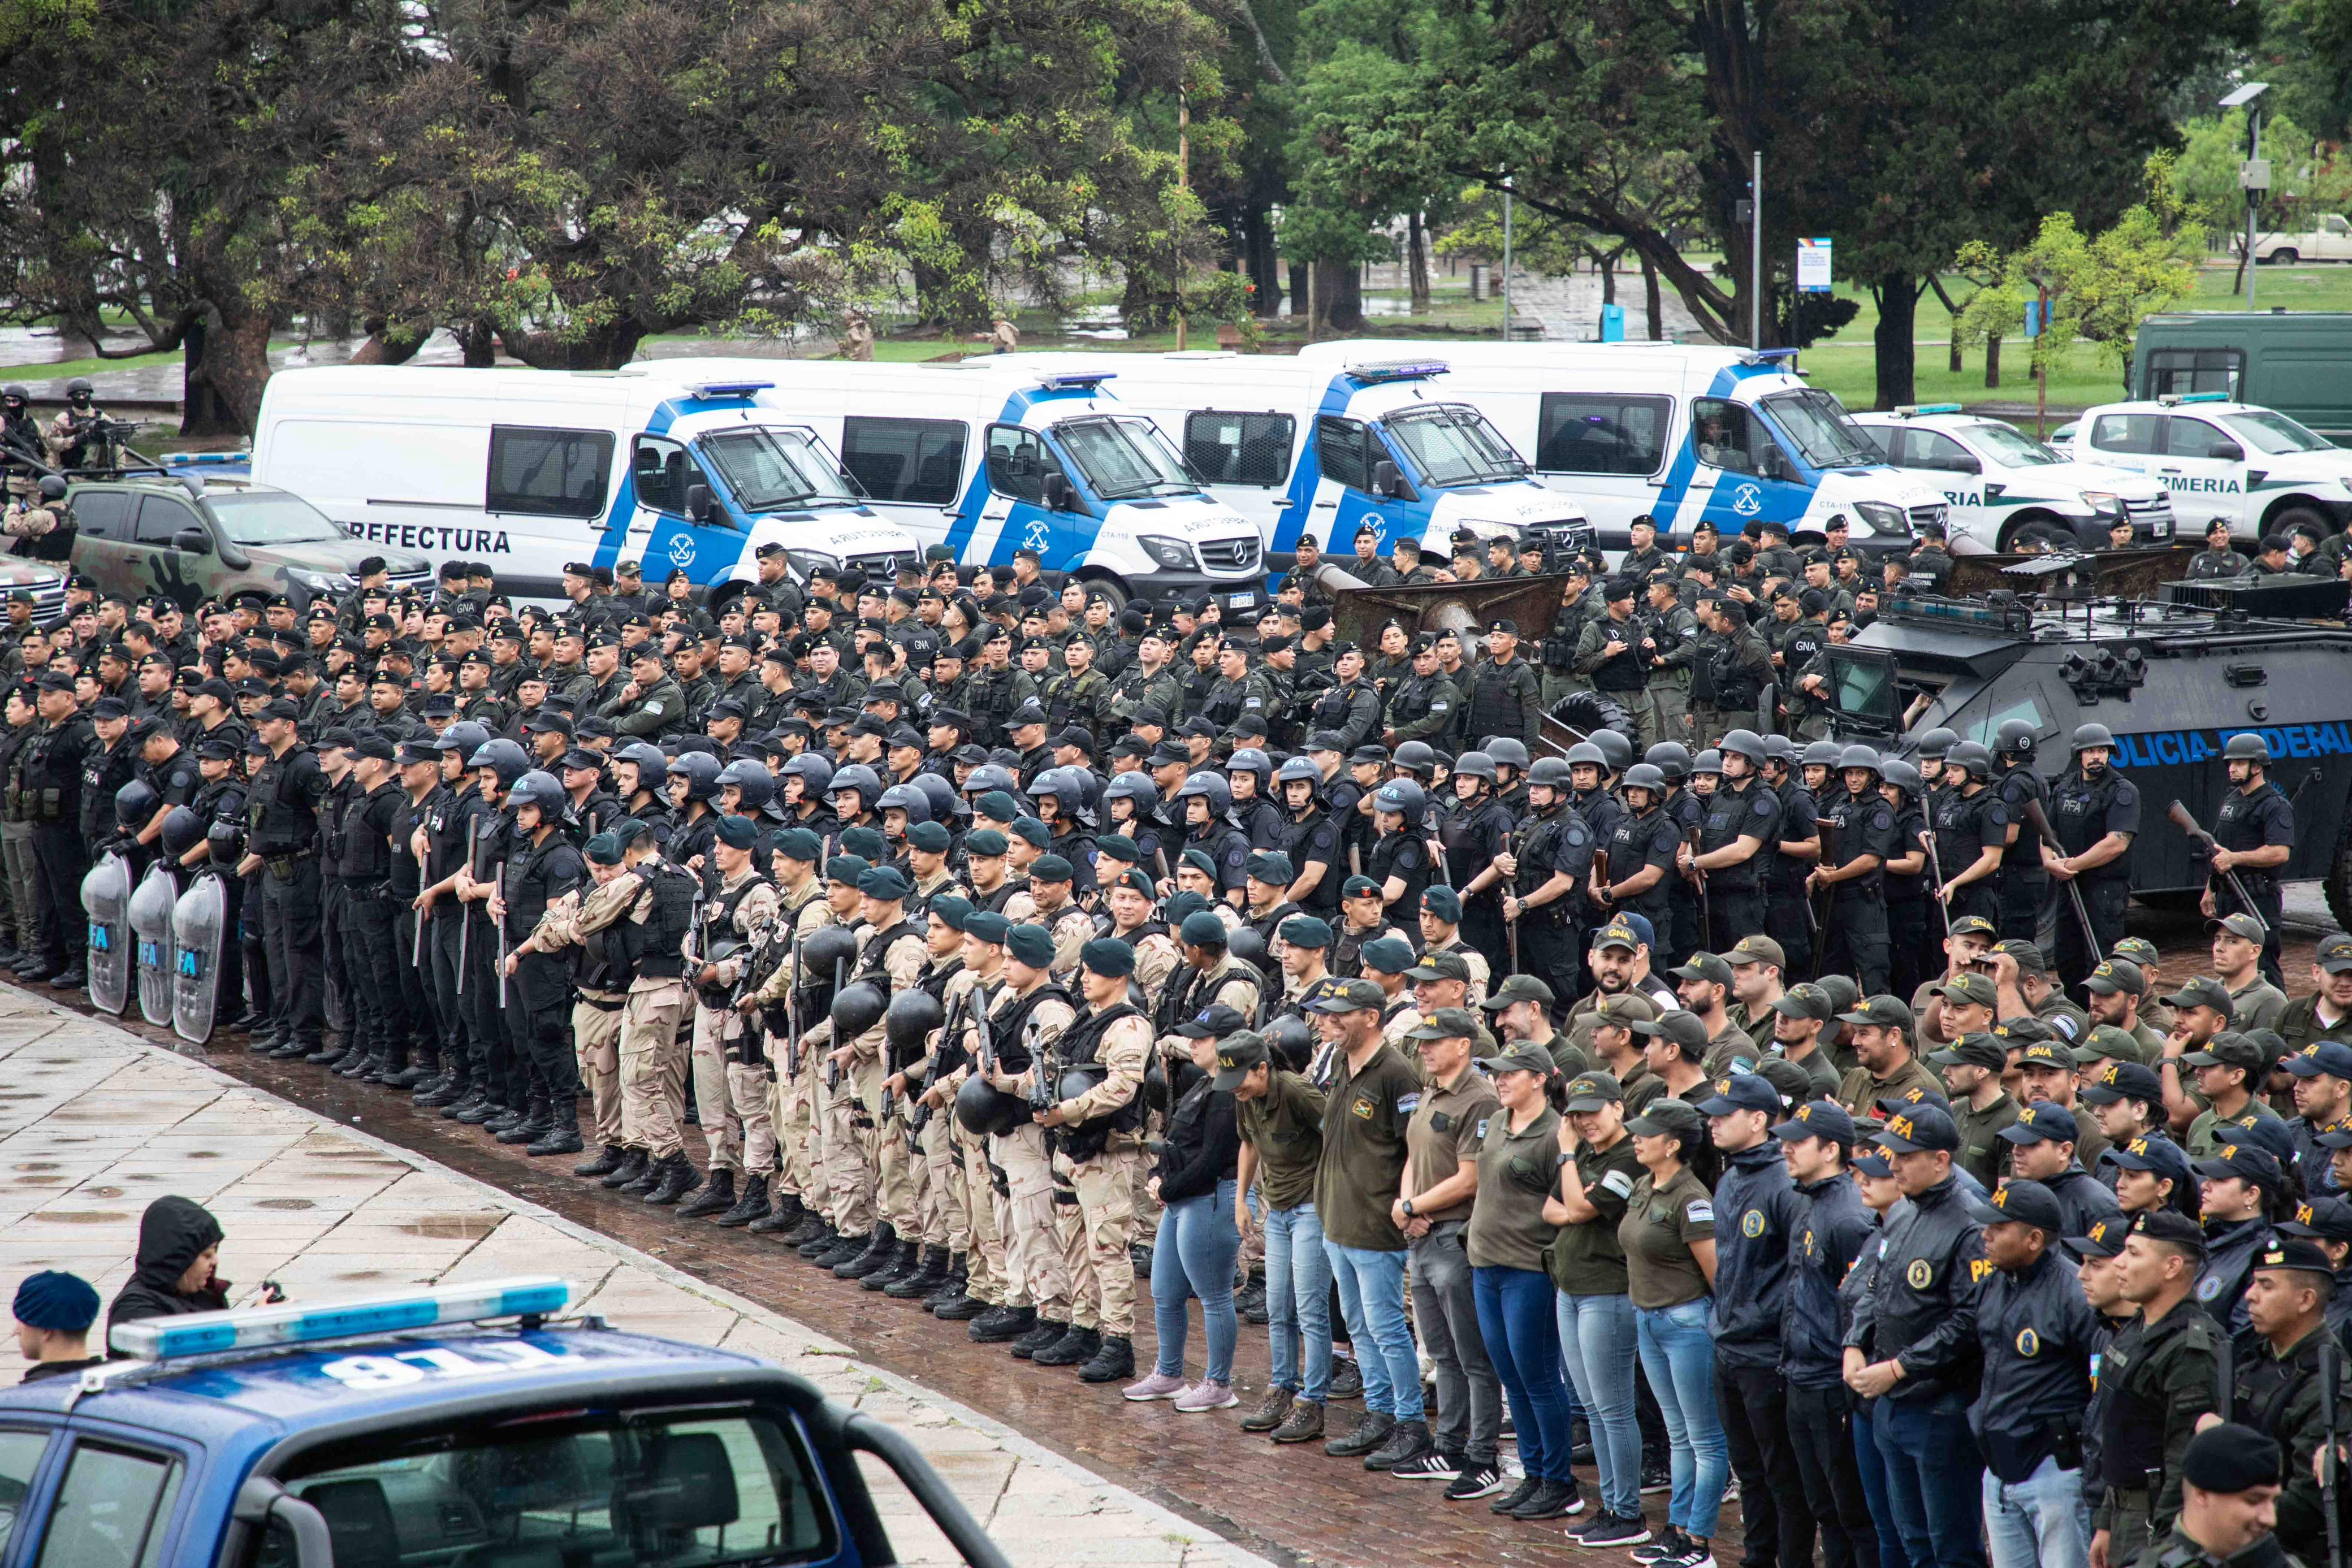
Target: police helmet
{"points": [[541, 789], [983, 1109], [1474, 764], [823, 950], [859, 778], [814, 772], [1670, 757], [907, 799], [1403, 796], [1417, 758], [757, 784], [465, 737], [1549, 771], [1508, 752], [2090, 735], [1744, 743], [909, 1021], [182, 830], [1080, 1079], [2246, 746], [1289, 1038], [700, 770], [1210, 786], [945, 806], [1902, 775], [135, 802], [1860, 757], [503, 756], [1245, 943], [1644, 775], [1062, 787], [16, 392], [1936, 744], [857, 1007], [1250, 759], [1708, 761], [1970, 758], [1779, 748], [79, 390], [1616, 747], [652, 768], [53, 489], [1299, 768], [1824, 754], [990, 775], [2015, 738], [1584, 754], [1135, 787]]}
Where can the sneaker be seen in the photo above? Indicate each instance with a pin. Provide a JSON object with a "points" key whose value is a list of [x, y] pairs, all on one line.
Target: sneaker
{"points": [[1696, 1557], [1406, 1440], [1347, 1381], [1436, 1465], [1302, 1424], [1671, 1543], [1204, 1396], [1159, 1386], [1475, 1482], [1657, 1477], [1610, 1529], [1528, 1485], [1553, 1500]]}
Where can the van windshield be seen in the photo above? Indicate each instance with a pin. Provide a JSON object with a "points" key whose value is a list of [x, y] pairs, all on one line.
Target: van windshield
{"points": [[770, 467], [269, 518], [1452, 445], [1820, 429], [1120, 458], [2013, 446], [2267, 432]]}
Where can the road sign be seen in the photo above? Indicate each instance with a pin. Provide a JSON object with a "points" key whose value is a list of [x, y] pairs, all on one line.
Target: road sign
{"points": [[1812, 266]]}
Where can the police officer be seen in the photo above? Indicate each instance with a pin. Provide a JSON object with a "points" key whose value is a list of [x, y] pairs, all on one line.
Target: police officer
{"points": [[2023, 881], [2254, 835], [1972, 828], [542, 865], [1472, 834], [1859, 838], [282, 844], [2280, 1390], [2156, 1378], [1548, 876], [1741, 826], [370, 927], [1642, 851], [1791, 859], [2095, 811], [1614, 650], [2241, 1184]]}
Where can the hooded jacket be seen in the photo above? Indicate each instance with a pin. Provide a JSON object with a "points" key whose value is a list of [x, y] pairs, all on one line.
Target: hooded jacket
{"points": [[172, 1234]]}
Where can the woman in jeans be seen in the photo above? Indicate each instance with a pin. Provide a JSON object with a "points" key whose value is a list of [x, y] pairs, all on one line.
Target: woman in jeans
{"points": [[1595, 1315], [1194, 1253], [1668, 1235], [1506, 1241]]}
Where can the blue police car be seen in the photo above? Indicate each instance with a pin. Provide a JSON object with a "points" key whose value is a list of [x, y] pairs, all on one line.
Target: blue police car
{"points": [[454, 1427]]}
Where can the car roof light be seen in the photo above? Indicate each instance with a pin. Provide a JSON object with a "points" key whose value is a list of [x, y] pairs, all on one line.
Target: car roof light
{"points": [[1374, 371], [1909, 410], [2172, 399], [246, 1328], [1075, 379], [727, 389]]}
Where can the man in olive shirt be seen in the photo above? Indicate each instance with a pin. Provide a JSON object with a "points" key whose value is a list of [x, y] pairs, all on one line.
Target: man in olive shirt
{"points": [[1281, 1116], [1372, 1097], [1880, 1032], [2254, 1002], [1441, 1180], [1704, 985], [2115, 990], [1800, 1015], [1980, 1107], [2227, 1071], [1620, 1050]]}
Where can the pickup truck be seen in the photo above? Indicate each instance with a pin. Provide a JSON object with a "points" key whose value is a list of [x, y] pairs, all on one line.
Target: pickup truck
{"points": [[424, 1430], [2331, 241]]}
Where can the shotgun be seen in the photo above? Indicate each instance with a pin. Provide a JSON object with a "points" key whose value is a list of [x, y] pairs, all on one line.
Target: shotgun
{"points": [[2202, 844], [2039, 820]]}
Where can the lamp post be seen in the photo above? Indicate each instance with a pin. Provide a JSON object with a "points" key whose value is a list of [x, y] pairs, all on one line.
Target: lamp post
{"points": [[2253, 176]]}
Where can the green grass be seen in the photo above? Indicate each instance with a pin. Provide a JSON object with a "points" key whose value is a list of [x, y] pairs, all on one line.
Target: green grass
{"points": [[66, 369]]}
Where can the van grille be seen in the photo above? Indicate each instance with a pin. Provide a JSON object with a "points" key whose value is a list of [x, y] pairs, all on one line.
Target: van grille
{"points": [[1923, 515], [1229, 554], [877, 568]]}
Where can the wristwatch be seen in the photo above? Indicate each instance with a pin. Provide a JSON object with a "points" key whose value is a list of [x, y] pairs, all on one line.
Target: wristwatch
{"points": [[1408, 1208]]}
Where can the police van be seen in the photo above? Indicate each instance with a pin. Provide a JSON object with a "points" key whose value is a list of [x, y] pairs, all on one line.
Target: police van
{"points": [[2002, 485], [454, 1427], [532, 470], [1325, 446], [2220, 458], [1004, 452], [1684, 434]]}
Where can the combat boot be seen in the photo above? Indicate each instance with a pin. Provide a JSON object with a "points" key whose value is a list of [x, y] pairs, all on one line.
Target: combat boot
{"points": [[645, 1180], [715, 1197], [452, 1089], [812, 1236], [964, 1307], [632, 1165], [677, 1180], [784, 1211], [500, 1115], [1075, 1348], [951, 1288], [882, 1247], [419, 1071], [605, 1163], [998, 1324], [842, 1248], [562, 1134], [1113, 1359], [477, 1109], [752, 1206], [904, 1259], [928, 1276], [537, 1120], [1251, 1303], [1042, 1333]]}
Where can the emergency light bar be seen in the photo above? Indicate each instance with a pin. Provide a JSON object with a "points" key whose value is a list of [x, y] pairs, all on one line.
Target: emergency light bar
{"points": [[247, 1328], [1375, 372], [1758, 355], [1075, 379], [727, 389], [1909, 410], [2174, 399]]}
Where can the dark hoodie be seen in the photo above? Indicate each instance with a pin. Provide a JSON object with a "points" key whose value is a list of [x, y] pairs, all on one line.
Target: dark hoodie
{"points": [[172, 1233]]}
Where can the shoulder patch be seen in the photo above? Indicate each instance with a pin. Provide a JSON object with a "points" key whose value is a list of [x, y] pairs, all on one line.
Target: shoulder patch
{"points": [[1701, 1211], [1407, 1104], [1438, 706], [2209, 1287], [1882, 821], [1617, 1182], [1920, 1274]]}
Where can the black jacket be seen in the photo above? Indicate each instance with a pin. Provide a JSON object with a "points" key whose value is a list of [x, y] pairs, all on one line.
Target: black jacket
{"points": [[1920, 1307], [2037, 1335], [1835, 1227], [172, 1234], [1757, 1215]]}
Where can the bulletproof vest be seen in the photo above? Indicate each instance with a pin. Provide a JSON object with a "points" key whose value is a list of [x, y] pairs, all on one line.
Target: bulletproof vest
{"points": [[407, 870], [871, 965], [1737, 684], [340, 801], [2078, 811], [102, 773], [720, 937], [1728, 813], [526, 887], [1846, 816], [281, 823], [657, 947], [1135, 938], [605, 962], [994, 903], [1626, 671], [1080, 1046], [366, 857], [2017, 786], [1009, 1029], [1190, 989], [1787, 871], [1545, 854], [1901, 888]]}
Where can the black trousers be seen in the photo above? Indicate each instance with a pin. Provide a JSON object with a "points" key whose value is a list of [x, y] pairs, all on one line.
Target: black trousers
{"points": [[460, 1049], [253, 944], [1482, 927], [1785, 917], [539, 995], [1855, 942], [1821, 1431], [504, 1069], [1733, 913], [373, 958], [64, 857], [1549, 951], [1913, 935], [2023, 891], [415, 959], [291, 922], [1775, 1526], [2104, 903]]}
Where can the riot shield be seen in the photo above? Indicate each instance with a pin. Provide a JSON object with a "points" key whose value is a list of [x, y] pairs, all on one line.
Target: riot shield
{"points": [[106, 901], [199, 927], [151, 932]]}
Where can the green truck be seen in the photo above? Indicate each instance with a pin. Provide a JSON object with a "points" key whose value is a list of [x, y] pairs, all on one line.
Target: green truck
{"points": [[2298, 363]]}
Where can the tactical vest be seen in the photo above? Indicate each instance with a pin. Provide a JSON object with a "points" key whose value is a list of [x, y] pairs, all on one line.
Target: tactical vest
{"points": [[720, 937], [1626, 671], [1009, 1032], [526, 887], [366, 856], [657, 948], [873, 967], [1080, 1046]]}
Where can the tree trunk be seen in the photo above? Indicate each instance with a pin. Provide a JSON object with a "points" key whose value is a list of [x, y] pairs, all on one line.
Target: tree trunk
{"points": [[1953, 310], [1898, 310], [224, 365], [1340, 295], [1650, 299], [480, 341], [606, 348], [1259, 261], [1416, 249], [385, 347], [1605, 264], [1992, 359], [1298, 295]]}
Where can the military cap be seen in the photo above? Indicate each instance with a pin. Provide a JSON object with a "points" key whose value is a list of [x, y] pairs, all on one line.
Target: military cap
{"points": [[799, 844], [1388, 954], [1666, 1115], [221, 747], [1706, 967], [2153, 1152], [1976, 1049], [1443, 1023], [1521, 1058], [1052, 868], [1973, 925], [282, 708], [1440, 966], [987, 925], [885, 882], [1756, 950], [1677, 1027], [1202, 930], [579, 758], [931, 838], [1886, 1012], [846, 869], [602, 849], [1976, 989], [1805, 1001], [1031, 944], [2242, 925], [2106, 1043], [1923, 1127], [2202, 992], [1119, 847], [2105, 1238], [376, 745], [1625, 1009], [1620, 933], [1038, 835], [1357, 995], [2124, 1081], [1444, 902], [952, 910], [986, 843], [742, 833], [1238, 1054], [1306, 931], [1272, 867], [1519, 988], [2227, 1049], [2116, 976], [1027, 714], [1590, 1091], [1107, 956], [1741, 1092], [2231, 1459]]}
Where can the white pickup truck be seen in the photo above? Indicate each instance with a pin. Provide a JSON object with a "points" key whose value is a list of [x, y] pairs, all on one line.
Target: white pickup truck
{"points": [[2331, 241]]}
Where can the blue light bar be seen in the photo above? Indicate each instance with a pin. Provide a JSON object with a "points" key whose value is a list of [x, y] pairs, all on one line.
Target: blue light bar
{"points": [[246, 1328], [1075, 379], [1909, 409], [727, 389], [2177, 398], [1374, 371]]}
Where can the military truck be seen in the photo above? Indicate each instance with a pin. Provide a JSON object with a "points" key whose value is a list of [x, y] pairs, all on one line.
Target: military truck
{"points": [[420, 1428], [2174, 674]]}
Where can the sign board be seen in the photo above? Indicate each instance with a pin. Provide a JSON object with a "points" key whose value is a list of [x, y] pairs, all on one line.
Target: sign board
{"points": [[1812, 266]]}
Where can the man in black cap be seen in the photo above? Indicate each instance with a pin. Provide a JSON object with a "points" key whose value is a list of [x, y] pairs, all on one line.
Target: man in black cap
{"points": [[288, 791], [2230, 1504], [1506, 696], [1614, 651], [2279, 1389], [2156, 1378], [381, 1031]]}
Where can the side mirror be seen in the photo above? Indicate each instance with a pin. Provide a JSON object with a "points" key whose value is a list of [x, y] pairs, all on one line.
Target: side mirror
{"points": [[1967, 465], [701, 508], [1387, 482], [193, 541], [1057, 492], [2227, 451]]}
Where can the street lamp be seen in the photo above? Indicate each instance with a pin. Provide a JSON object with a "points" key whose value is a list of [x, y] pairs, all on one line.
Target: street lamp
{"points": [[2254, 174]]}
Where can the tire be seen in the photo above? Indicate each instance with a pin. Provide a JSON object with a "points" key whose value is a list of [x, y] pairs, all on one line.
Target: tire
{"points": [[1110, 588], [2031, 522], [2284, 255], [2286, 520]]}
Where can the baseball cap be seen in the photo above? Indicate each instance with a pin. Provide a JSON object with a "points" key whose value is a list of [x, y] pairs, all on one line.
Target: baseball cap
{"points": [[1920, 1127], [1626, 1009], [2117, 975], [1213, 1023], [1447, 1023], [2334, 954], [1976, 989], [1977, 1050], [1623, 932], [1592, 1091], [1684, 1028], [2040, 1122], [2202, 992], [2244, 925], [1706, 967], [1519, 988], [2332, 1057], [2328, 1219], [1817, 1119], [1440, 966], [1522, 1058], [1741, 1092], [2154, 1153], [2124, 1081], [2106, 1043], [1237, 1054], [1664, 1116], [2242, 1161], [2104, 1240], [1805, 1001], [1754, 949], [2228, 1049], [1885, 1011], [2020, 1202], [1973, 925], [1355, 996]]}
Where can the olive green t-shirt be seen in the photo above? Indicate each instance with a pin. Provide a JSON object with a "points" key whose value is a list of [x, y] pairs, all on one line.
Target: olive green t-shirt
{"points": [[1659, 1226], [1858, 1091], [1285, 1125], [1446, 1129], [1516, 1172], [1588, 1259], [1364, 1118]]}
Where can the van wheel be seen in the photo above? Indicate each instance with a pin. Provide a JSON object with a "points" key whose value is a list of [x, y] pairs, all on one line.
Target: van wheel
{"points": [[2031, 523], [2286, 520], [1110, 588]]}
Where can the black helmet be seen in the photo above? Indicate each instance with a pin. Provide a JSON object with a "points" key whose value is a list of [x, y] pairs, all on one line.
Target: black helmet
{"points": [[991, 776], [1508, 752], [16, 392], [1474, 764], [1136, 787], [503, 757], [1403, 796], [861, 778], [2246, 746], [1708, 761], [2090, 735], [857, 1007], [1584, 754], [1670, 757], [465, 737], [1645, 776], [1860, 757], [814, 772], [941, 794], [757, 784], [824, 948], [1970, 756], [1061, 786], [652, 768], [541, 789], [135, 802], [79, 390], [1299, 770], [907, 799], [1822, 754], [1243, 942], [983, 1109], [1080, 1079], [1779, 748], [1549, 771], [1211, 786], [1616, 747], [908, 1020], [1744, 743], [182, 830], [53, 489], [1250, 759], [2013, 739], [700, 770], [1902, 775], [1936, 744], [1416, 757], [1289, 1038]]}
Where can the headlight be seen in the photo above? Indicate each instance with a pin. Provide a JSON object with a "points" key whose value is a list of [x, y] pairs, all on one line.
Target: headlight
{"points": [[2103, 501], [1881, 517], [1173, 554], [326, 581], [806, 561]]}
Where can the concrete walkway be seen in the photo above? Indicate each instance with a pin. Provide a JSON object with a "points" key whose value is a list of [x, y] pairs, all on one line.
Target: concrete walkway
{"points": [[96, 1123]]}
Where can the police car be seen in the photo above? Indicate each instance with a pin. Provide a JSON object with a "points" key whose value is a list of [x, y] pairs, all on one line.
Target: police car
{"points": [[418, 1429], [2220, 458], [2001, 483]]}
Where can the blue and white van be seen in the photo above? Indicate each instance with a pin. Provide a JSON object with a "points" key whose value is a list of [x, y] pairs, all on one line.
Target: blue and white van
{"points": [[1681, 434], [1006, 452], [1329, 445]]}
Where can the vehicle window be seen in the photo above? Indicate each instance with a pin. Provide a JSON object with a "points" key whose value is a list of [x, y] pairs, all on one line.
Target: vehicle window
{"points": [[161, 517], [103, 514], [917, 461], [677, 1489], [20, 1456], [770, 467], [2177, 373], [1820, 427], [662, 469], [1726, 436], [2126, 431], [2026, 708], [1578, 433], [2011, 445], [269, 518], [2195, 438], [110, 1511], [1862, 685], [1343, 448], [1886, 442], [1018, 462], [1927, 449], [549, 472], [2263, 431], [1122, 458], [1240, 448], [1455, 445], [2336, 225]]}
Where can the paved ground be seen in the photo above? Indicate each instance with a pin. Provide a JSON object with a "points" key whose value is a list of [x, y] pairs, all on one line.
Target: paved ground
{"points": [[94, 1125]]}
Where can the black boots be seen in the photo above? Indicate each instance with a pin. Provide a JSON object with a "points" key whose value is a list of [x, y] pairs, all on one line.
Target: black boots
{"points": [[921, 1281], [1113, 1361], [562, 1134], [995, 1325], [674, 1178], [882, 1247], [715, 1197], [608, 1161], [905, 1260], [1075, 1348], [752, 1206], [953, 1288], [1044, 1332], [632, 1165], [537, 1119]]}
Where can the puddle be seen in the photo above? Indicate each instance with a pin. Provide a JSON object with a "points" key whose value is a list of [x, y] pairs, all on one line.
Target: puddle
{"points": [[80, 1215], [102, 1191], [37, 1165], [284, 1203], [452, 1227]]}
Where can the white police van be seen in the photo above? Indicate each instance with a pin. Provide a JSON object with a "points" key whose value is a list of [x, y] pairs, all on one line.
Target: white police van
{"points": [[2001, 483], [1325, 446], [2221, 458], [531, 470], [1683, 435], [1004, 452]]}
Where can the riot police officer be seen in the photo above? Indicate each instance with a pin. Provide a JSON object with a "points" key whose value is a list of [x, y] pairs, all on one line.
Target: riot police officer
{"points": [[1972, 834], [282, 843], [541, 866], [2253, 834], [1642, 851], [1475, 830], [2095, 812], [2024, 883], [1548, 877], [1858, 841], [50, 770], [1741, 828]]}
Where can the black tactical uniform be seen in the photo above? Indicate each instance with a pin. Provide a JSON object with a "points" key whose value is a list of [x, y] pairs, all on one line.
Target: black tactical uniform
{"points": [[2251, 822], [2083, 810], [1472, 836], [1640, 839], [2280, 1395], [2154, 1380], [2024, 882], [1505, 699], [1735, 893], [1965, 824], [1551, 946], [1787, 910], [1855, 940], [282, 823], [380, 1025], [538, 871]]}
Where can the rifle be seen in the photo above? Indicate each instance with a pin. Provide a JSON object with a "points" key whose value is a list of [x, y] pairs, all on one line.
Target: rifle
{"points": [[2202, 841], [1600, 871], [2328, 1481], [2039, 820], [792, 1009], [1160, 861], [1935, 879], [1698, 878], [1511, 927], [1826, 830], [465, 916], [987, 1037], [1436, 847]]}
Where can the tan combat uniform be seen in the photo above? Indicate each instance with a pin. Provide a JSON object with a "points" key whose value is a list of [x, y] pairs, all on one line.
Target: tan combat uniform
{"points": [[1025, 1207], [731, 1095], [1096, 1231]]}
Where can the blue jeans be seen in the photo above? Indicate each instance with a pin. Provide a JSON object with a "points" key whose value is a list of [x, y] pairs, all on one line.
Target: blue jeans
{"points": [[1193, 1256], [1678, 1355], [1598, 1340], [2039, 1522], [1371, 1298], [1299, 1301], [1514, 1319], [1932, 1479], [1872, 1466]]}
